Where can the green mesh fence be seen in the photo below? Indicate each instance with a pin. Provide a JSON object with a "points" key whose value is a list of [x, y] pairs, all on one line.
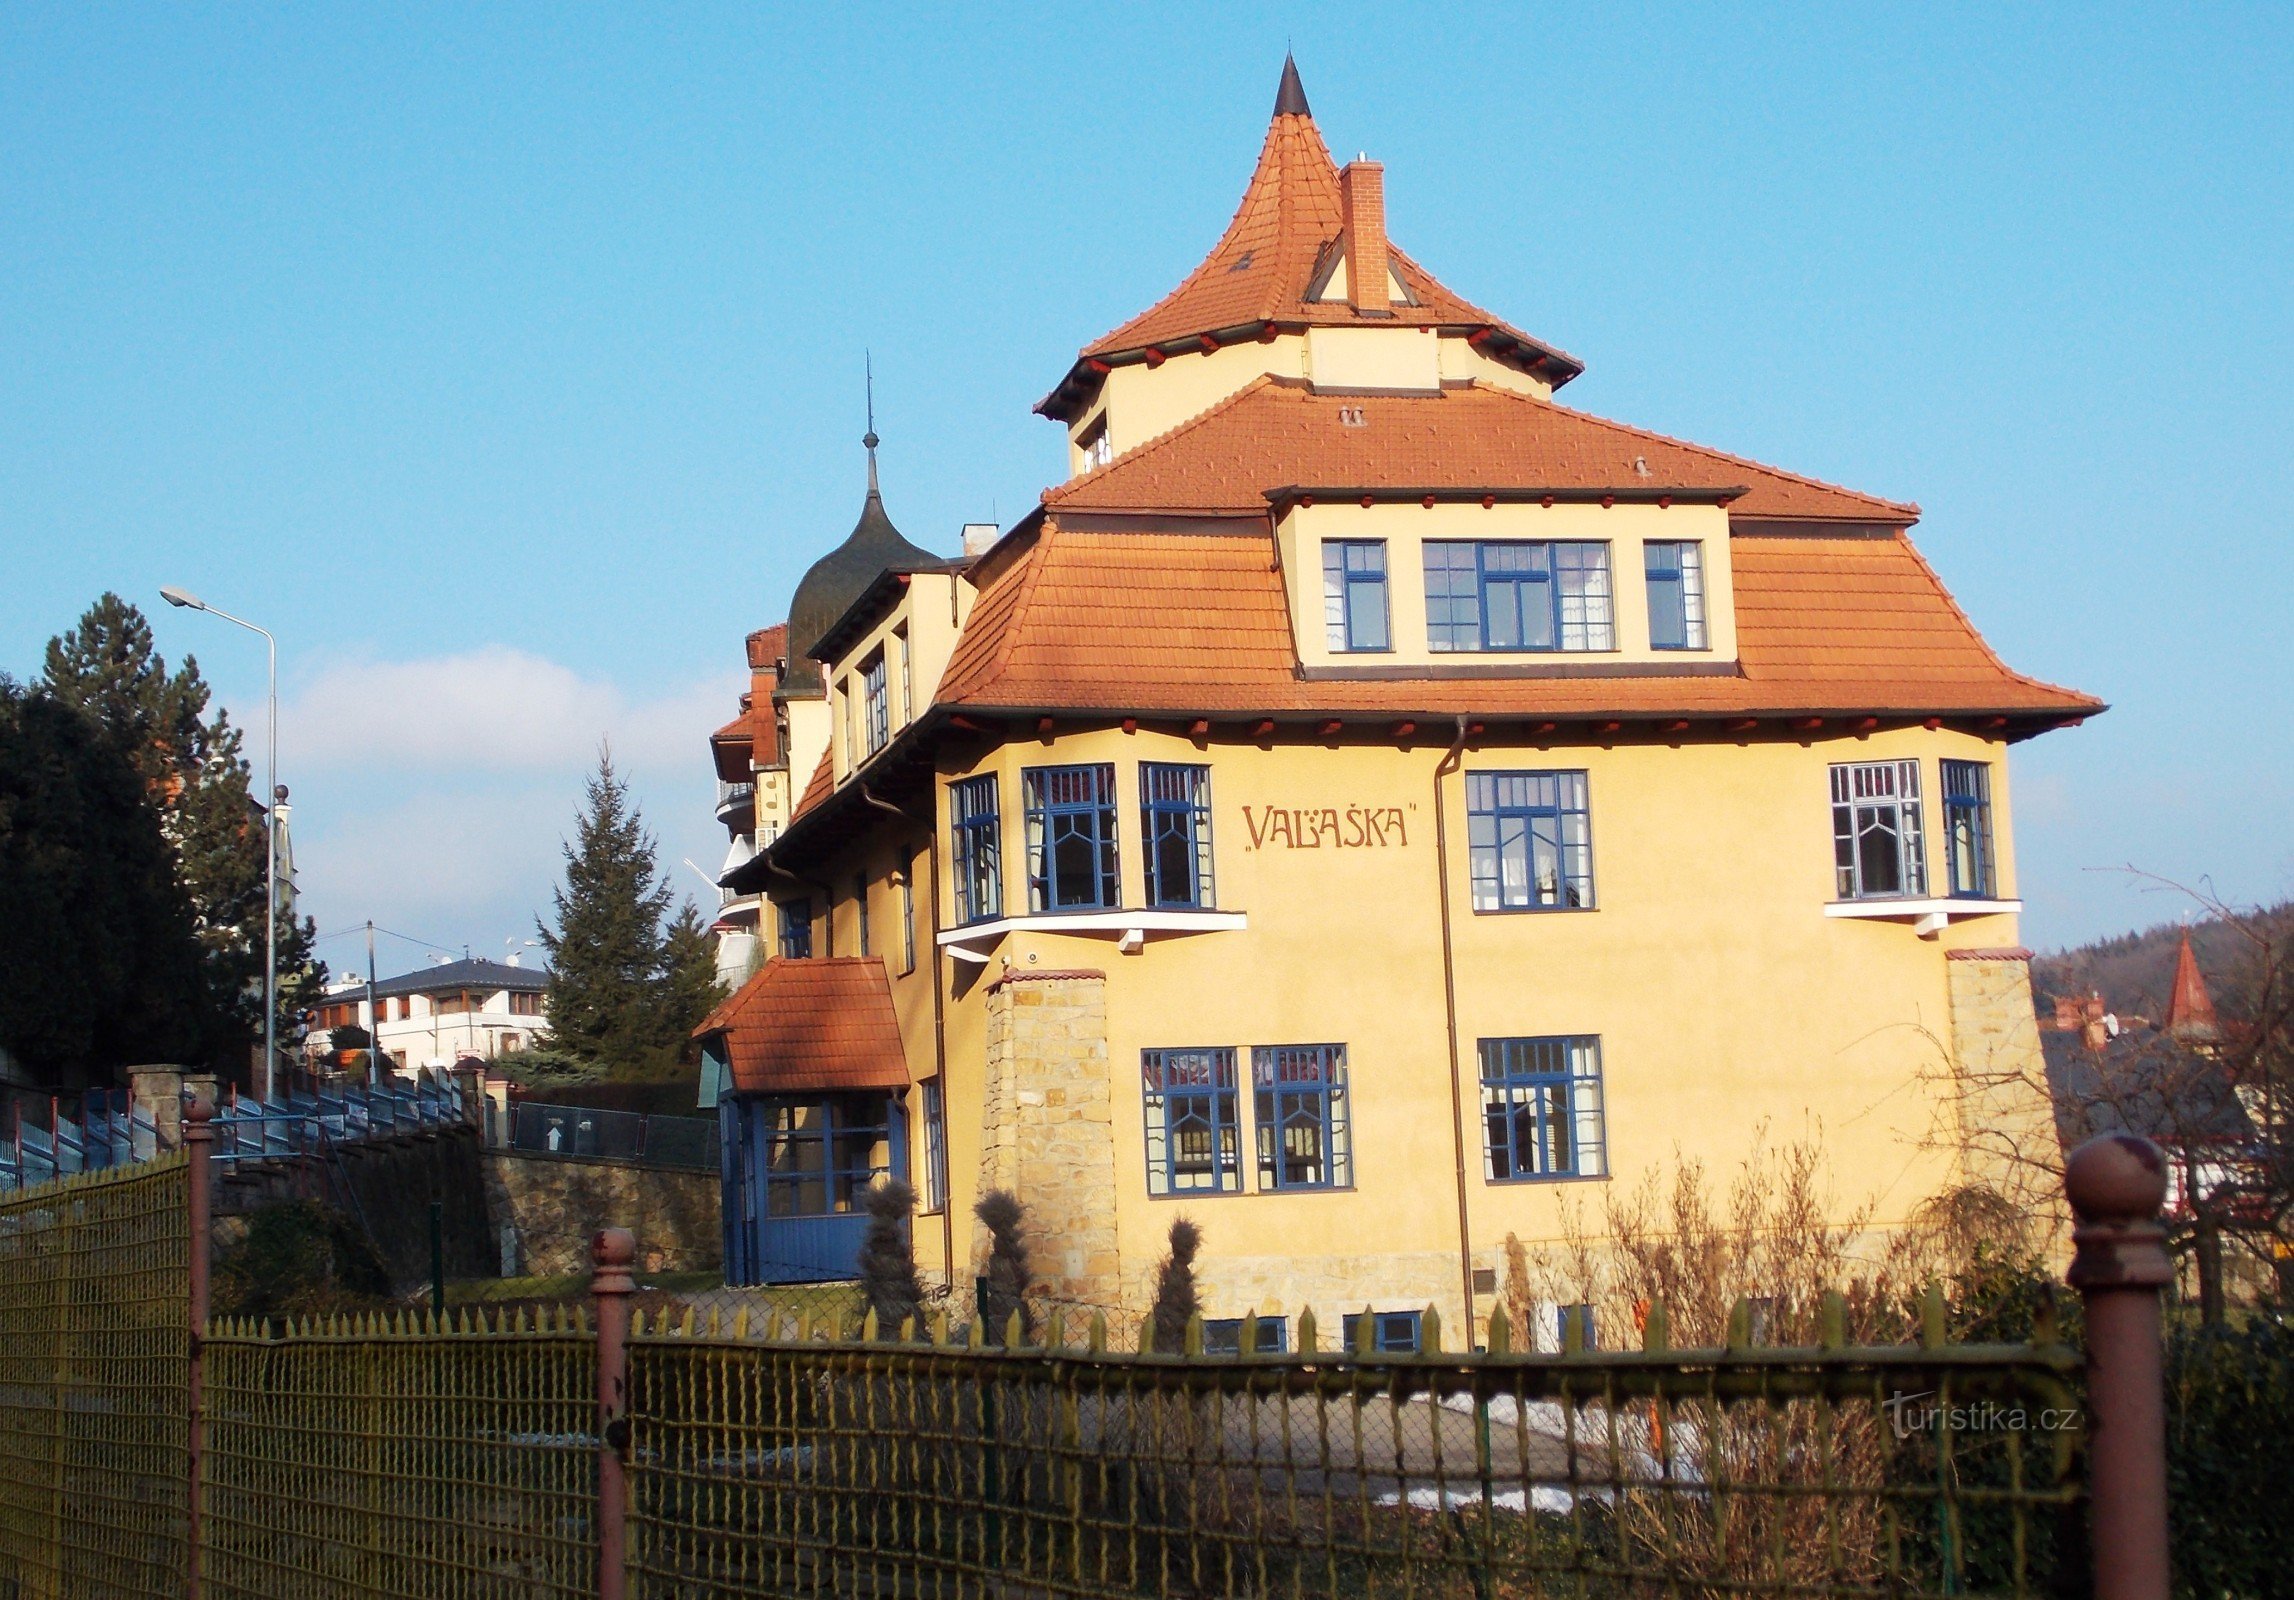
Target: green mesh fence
{"points": [[841, 1468], [94, 1363], [396, 1456]]}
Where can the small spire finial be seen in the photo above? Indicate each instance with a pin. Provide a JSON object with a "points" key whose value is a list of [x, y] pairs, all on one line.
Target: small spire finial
{"points": [[1290, 96], [868, 439]]}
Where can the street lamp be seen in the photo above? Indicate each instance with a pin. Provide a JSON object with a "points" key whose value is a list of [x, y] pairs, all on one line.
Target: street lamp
{"points": [[191, 602]]}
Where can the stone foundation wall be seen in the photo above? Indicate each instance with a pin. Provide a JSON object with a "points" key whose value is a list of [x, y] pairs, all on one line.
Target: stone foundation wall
{"points": [[1048, 1132], [2000, 1108], [548, 1206]]}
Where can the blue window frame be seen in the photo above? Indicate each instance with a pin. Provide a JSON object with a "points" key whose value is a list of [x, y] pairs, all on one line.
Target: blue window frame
{"points": [[1175, 820], [1193, 1134], [976, 848], [876, 700], [1391, 1332], [796, 929], [935, 1146], [1223, 1336], [1582, 1313], [820, 1156], [1967, 829], [1354, 594], [1676, 576], [1518, 595], [1071, 837], [1529, 841], [1299, 1107], [1541, 1109], [1878, 849], [908, 917]]}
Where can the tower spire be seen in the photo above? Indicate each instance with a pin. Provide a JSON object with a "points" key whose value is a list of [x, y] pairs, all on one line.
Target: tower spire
{"points": [[1290, 95], [868, 439]]}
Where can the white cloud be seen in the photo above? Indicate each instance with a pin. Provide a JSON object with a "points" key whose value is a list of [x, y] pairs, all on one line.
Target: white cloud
{"points": [[493, 709], [433, 795]]}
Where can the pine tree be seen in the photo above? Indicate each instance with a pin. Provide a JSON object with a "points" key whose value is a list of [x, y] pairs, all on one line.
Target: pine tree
{"points": [[691, 990], [98, 964], [609, 961], [195, 774]]}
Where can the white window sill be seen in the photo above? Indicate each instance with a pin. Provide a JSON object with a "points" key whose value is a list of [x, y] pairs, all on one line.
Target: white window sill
{"points": [[1929, 916], [1129, 929]]}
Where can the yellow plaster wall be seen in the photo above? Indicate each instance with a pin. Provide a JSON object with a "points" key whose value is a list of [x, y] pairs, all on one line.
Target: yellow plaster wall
{"points": [[1405, 528], [1725, 999], [928, 617], [1141, 402], [1374, 358]]}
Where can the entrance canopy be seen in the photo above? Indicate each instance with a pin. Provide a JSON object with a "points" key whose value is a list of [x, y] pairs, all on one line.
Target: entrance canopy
{"points": [[802, 1026]]}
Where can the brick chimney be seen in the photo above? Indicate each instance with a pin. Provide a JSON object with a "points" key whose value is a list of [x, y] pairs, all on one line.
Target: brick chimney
{"points": [[2067, 1018], [1362, 203]]}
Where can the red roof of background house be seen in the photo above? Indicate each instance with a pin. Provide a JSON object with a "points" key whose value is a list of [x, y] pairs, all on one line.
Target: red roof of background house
{"points": [[1282, 232], [1197, 623], [803, 1026], [1279, 433]]}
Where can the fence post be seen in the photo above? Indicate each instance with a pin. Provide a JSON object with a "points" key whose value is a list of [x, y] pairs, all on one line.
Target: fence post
{"points": [[611, 1250], [2116, 1184], [198, 1137]]}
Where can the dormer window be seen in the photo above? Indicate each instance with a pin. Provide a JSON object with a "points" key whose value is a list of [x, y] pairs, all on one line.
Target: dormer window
{"points": [[1093, 444], [1518, 594]]}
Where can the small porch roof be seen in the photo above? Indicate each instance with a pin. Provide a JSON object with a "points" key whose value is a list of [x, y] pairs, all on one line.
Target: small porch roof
{"points": [[804, 1026]]}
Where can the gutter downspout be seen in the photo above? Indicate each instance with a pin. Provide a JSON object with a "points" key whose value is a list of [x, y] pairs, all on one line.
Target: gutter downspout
{"points": [[1450, 762], [939, 1033]]}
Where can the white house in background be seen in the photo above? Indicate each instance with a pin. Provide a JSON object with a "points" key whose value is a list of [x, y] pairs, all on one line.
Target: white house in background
{"points": [[437, 1016]]}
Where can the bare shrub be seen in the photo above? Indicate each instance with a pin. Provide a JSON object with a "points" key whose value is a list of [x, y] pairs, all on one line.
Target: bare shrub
{"points": [[1175, 1301]]}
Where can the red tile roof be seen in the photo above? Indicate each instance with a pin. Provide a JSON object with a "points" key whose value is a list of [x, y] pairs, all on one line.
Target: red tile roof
{"points": [[768, 645], [1259, 272], [800, 1026], [816, 789], [1196, 623], [1279, 433]]}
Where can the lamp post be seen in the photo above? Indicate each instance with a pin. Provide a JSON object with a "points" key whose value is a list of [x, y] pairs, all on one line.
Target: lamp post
{"points": [[191, 602]]}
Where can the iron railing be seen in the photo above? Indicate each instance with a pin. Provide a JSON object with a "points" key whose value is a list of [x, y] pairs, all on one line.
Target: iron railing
{"points": [[540, 1128], [527, 1453], [818, 1463]]}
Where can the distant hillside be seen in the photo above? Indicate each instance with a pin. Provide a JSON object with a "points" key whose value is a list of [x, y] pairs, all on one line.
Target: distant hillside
{"points": [[2134, 971]]}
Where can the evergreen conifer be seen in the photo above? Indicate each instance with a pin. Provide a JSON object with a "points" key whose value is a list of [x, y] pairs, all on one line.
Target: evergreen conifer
{"points": [[195, 775], [888, 1258], [616, 976], [1175, 1298], [1007, 1275], [98, 964]]}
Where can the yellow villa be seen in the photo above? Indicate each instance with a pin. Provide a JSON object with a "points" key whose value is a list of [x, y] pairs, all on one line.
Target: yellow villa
{"points": [[1365, 804]]}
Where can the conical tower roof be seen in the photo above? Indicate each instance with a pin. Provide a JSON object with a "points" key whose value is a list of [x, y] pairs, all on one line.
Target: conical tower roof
{"points": [[2190, 1009], [832, 583], [1276, 249]]}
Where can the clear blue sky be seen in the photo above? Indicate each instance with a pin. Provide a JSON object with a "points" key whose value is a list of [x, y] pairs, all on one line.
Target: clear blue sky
{"points": [[508, 363]]}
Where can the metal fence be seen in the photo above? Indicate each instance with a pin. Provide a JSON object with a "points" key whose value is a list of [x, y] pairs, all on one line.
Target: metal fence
{"points": [[528, 1453], [106, 1129], [540, 1128], [95, 1343], [401, 1457], [302, 1124], [852, 1468]]}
